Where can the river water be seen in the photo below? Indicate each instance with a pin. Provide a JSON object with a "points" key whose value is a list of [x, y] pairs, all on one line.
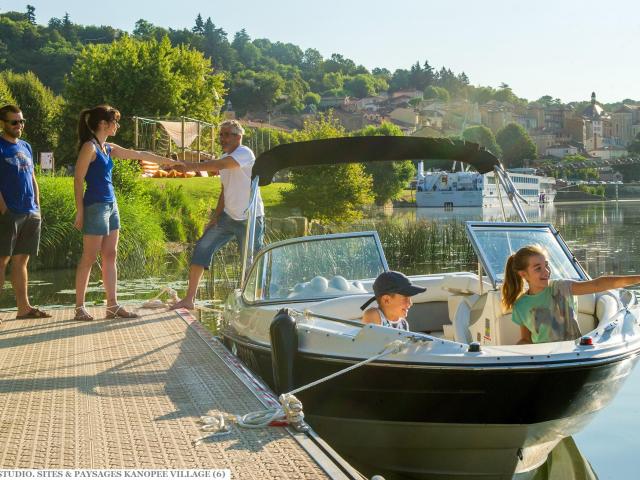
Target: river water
{"points": [[604, 236]]}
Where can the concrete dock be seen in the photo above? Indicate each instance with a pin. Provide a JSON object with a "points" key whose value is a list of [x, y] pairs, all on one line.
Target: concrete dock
{"points": [[127, 394]]}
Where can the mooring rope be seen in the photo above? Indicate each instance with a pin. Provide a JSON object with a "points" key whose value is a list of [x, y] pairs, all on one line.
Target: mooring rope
{"points": [[290, 410]]}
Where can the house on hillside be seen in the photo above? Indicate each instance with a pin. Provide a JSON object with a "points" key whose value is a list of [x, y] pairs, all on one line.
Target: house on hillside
{"points": [[496, 115], [408, 93], [333, 102], [594, 116], [625, 124], [560, 151], [406, 116]]}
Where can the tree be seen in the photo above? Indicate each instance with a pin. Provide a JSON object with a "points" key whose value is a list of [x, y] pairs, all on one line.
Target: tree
{"points": [[144, 30], [436, 93], [311, 98], [337, 63], [252, 91], [389, 178], [40, 106], [516, 145], [198, 28], [328, 193], [482, 136], [362, 85], [312, 63], [31, 14], [216, 46], [5, 94], [141, 78]]}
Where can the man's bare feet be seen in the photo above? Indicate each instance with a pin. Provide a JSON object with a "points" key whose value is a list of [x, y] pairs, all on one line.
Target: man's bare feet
{"points": [[184, 303]]}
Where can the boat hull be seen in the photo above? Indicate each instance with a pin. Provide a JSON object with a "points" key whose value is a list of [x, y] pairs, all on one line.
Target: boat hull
{"points": [[442, 420], [456, 198]]}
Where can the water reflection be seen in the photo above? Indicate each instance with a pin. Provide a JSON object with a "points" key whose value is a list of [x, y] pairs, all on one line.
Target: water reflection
{"points": [[565, 462]]}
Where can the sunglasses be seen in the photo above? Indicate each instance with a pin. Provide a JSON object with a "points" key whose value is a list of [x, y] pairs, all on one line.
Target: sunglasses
{"points": [[13, 123]]}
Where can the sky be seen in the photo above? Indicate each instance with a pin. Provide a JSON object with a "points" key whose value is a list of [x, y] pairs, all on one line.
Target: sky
{"points": [[563, 48]]}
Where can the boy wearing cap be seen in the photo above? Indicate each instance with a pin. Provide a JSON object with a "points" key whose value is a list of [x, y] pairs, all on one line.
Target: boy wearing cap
{"points": [[393, 292]]}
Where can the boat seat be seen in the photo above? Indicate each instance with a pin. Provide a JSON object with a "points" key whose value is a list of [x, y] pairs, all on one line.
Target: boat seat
{"points": [[591, 309], [319, 286]]}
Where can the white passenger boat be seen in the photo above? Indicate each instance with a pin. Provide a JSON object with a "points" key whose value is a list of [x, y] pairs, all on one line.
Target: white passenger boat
{"points": [[472, 189], [458, 396]]}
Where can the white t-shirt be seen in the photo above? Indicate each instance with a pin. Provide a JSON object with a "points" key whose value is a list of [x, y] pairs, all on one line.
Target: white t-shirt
{"points": [[237, 184]]}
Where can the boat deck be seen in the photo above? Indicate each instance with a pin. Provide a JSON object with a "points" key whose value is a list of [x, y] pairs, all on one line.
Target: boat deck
{"points": [[127, 394]]}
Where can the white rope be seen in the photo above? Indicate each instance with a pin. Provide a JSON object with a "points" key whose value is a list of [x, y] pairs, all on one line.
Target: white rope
{"points": [[155, 302], [290, 410]]}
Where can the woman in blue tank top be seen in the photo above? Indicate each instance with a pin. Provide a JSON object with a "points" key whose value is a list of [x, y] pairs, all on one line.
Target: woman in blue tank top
{"points": [[97, 210]]}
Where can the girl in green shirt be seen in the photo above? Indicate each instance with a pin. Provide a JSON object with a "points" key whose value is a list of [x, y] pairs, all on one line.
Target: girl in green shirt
{"points": [[546, 310]]}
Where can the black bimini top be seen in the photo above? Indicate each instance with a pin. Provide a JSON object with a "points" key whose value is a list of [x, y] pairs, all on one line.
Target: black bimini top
{"points": [[334, 151]]}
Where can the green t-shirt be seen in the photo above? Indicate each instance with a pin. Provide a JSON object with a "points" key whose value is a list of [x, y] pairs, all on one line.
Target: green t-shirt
{"points": [[549, 315]]}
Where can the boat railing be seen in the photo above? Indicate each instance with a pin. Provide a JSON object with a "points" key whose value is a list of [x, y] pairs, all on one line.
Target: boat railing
{"points": [[249, 238], [309, 313]]}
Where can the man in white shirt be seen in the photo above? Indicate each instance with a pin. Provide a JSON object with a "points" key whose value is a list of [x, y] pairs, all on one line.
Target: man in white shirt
{"points": [[230, 217]]}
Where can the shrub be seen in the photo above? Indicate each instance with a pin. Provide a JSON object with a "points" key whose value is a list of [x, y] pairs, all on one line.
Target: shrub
{"points": [[141, 237], [182, 217], [126, 178]]}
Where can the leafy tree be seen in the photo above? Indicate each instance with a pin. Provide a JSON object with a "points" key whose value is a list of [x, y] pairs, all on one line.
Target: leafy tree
{"points": [[144, 30], [574, 158], [389, 178], [328, 193], [436, 93], [5, 94], [40, 106], [333, 81], [483, 136], [362, 85], [312, 63], [256, 91], [143, 78], [311, 98], [337, 63], [516, 145]]}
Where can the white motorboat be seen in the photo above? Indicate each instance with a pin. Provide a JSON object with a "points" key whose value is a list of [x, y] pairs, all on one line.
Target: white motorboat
{"points": [[454, 396]]}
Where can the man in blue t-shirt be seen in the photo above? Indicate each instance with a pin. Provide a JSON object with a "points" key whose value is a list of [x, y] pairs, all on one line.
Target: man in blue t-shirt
{"points": [[19, 208]]}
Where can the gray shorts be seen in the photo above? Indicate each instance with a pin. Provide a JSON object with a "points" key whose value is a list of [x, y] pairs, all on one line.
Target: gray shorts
{"points": [[100, 218], [19, 233]]}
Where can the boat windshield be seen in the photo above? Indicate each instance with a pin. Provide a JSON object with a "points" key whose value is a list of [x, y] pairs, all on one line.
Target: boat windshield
{"points": [[316, 267], [494, 243]]}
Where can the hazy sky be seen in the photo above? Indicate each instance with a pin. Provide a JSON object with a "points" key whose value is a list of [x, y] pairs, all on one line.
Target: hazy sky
{"points": [[562, 48]]}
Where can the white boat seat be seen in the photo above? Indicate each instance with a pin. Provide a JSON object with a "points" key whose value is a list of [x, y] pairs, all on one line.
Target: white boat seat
{"points": [[319, 286], [464, 284]]}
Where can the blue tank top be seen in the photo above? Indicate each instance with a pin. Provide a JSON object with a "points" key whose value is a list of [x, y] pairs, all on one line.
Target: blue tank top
{"points": [[98, 178], [16, 176]]}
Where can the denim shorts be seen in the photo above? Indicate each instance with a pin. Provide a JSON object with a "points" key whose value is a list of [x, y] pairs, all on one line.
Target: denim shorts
{"points": [[19, 233], [100, 218], [216, 237]]}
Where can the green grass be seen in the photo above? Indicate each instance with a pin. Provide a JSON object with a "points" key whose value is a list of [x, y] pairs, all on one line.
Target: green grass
{"points": [[208, 189]]}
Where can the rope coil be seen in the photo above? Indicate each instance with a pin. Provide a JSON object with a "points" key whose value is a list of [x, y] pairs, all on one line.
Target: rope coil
{"points": [[290, 411]]}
